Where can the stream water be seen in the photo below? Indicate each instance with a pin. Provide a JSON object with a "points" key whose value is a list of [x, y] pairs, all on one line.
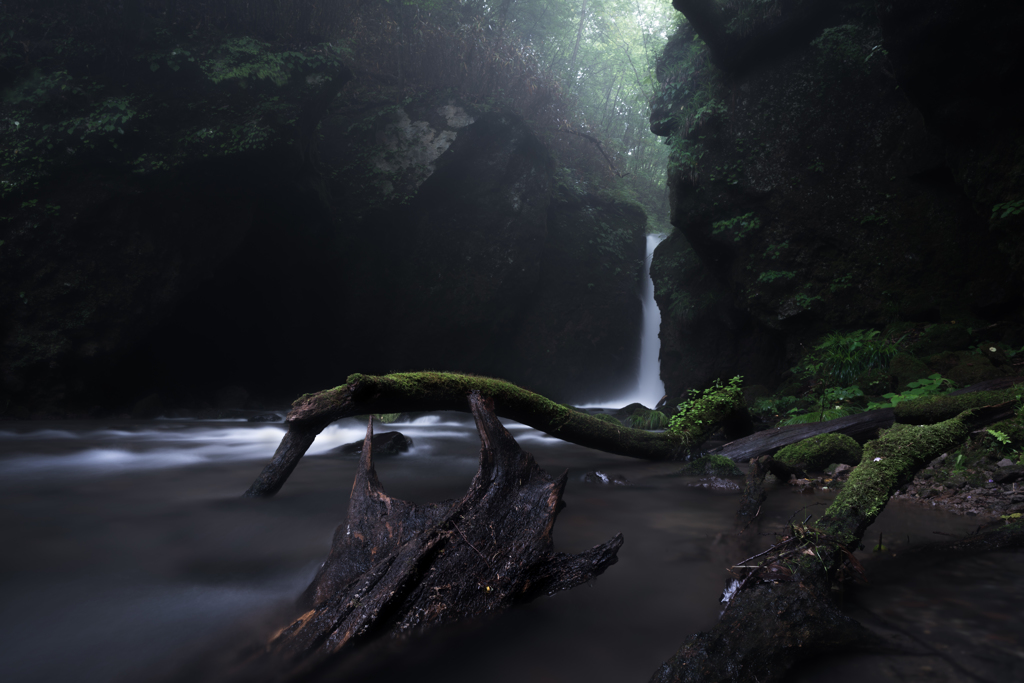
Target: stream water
{"points": [[130, 555]]}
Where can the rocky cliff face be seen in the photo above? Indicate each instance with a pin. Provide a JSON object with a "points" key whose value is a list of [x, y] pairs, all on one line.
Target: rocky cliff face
{"points": [[812, 195], [240, 228]]}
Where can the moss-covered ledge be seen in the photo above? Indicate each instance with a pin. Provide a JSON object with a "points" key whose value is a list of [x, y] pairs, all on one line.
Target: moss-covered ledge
{"points": [[431, 391]]}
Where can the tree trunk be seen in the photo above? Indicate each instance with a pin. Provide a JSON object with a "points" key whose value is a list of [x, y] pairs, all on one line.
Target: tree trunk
{"points": [[397, 568], [429, 391]]}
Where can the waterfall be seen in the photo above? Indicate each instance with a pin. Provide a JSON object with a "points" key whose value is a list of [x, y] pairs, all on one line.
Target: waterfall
{"points": [[648, 388]]}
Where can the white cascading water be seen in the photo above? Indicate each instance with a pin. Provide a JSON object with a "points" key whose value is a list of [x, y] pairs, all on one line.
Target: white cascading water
{"points": [[649, 389]]}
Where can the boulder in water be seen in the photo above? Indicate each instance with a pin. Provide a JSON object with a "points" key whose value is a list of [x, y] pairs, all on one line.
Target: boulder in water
{"points": [[386, 443]]}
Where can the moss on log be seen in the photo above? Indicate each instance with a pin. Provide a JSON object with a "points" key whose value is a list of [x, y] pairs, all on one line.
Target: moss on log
{"points": [[934, 409], [781, 610], [818, 452], [431, 391]]}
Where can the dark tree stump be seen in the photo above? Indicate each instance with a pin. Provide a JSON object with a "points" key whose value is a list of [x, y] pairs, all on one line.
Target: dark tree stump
{"points": [[396, 567]]}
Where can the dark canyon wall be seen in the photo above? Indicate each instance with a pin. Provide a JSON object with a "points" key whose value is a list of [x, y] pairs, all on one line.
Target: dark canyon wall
{"points": [[835, 166]]}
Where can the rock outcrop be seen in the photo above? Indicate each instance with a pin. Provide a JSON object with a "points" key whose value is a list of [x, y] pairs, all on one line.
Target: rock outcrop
{"points": [[811, 192]]}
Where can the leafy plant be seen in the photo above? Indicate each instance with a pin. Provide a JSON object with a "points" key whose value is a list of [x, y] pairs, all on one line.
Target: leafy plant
{"points": [[694, 411], [1005, 209], [841, 357], [929, 386], [385, 418], [739, 227], [1001, 437], [770, 276], [833, 403]]}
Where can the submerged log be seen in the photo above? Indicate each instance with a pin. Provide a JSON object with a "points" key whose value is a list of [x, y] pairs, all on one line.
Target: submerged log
{"points": [[430, 391], [396, 567], [780, 608]]}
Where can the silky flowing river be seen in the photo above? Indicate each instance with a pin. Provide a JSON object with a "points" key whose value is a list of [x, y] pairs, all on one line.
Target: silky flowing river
{"points": [[129, 555]]}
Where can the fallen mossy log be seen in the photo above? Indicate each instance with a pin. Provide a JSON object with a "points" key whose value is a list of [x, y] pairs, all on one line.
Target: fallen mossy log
{"points": [[431, 391], [397, 568], [780, 608], [865, 426], [861, 427], [933, 409]]}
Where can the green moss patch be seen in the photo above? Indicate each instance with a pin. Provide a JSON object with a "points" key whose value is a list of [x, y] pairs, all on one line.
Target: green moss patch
{"points": [[818, 452], [926, 411]]}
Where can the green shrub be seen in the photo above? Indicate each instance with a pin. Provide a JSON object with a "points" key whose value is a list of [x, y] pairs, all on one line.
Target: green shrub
{"points": [[841, 356], [700, 414]]}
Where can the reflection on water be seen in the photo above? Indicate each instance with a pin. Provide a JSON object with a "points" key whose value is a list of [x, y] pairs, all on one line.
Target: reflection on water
{"points": [[128, 550]]}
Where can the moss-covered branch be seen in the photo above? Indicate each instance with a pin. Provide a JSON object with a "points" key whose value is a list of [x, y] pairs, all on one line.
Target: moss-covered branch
{"points": [[431, 391], [782, 610], [933, 409]]}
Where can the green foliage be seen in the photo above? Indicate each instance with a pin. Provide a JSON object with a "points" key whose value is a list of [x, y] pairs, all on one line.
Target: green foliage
{"points": [[769, 276], [649, 420], [1006, 209], [245, 59], [385, 418], [700, 413], [929, 386], [58, 112], [739, 227], [770, 409], [833, 403], [848, 48], [1001, 437], [840, 357]]}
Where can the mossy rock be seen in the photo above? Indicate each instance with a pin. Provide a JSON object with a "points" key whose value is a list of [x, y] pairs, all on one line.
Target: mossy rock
{"points": [[906, 369], [710, 465], [974, 368], [939, 338], [818, 452]]}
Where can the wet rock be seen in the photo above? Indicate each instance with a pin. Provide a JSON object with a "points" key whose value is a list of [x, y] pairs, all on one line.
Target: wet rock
{"points": [[838, 470], [1009, 475], [385, 443], [599, 477], [714, 465], [716, 484]]}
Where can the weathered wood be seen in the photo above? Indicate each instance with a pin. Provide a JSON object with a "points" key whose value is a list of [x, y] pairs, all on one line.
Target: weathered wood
{"points": [[431, 391], [862, 427], [396, 567]]}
